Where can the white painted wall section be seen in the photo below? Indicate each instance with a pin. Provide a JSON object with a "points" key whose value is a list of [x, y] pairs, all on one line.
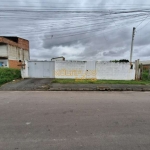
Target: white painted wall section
{"points": [[3, 51], [41, 69], [25, 71], [114, 71], [79, 70], [70, 69], [15, 53], [26, 55], [91, 70]]}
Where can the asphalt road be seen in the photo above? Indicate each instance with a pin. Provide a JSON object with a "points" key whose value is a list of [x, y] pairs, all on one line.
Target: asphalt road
{"points": [[74, 120]]}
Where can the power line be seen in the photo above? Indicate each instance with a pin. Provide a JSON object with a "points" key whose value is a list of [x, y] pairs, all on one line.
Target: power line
{"points": [[72, 34], [95, 29], [142, 21], [54, 33], [143, 26], [80, 33], [72, 3], [71, 10]]}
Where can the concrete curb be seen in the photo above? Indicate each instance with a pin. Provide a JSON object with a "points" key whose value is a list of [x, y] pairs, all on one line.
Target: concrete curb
{"points": [[98, 87], [85, 89]]}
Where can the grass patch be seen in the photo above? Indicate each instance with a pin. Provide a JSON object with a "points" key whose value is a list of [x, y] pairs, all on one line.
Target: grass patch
{"points": [[145, 75], [7, 75], [73, 81]]}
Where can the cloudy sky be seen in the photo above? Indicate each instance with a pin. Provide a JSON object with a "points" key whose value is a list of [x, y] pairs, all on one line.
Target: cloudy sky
{"points": [[81, 30]]}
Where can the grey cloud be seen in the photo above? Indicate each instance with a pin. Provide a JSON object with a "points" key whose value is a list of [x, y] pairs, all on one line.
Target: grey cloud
{"points": [[45, 41], [145, 54], [144, 51], [142, 40], [110, 53], [115, 53]]}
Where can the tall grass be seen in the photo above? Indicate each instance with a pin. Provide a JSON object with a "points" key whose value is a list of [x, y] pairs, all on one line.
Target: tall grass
{"points": [[7, 75], [145, 75]]}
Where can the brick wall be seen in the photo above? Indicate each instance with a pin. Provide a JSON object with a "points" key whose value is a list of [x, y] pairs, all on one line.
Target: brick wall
{"points": [[22, 43], [14, 64], [146, 67]]}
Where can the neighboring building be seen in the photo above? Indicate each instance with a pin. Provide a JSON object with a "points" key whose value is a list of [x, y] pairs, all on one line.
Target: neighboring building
{"points": [[13, 50], [146, 64], [58, 59]]}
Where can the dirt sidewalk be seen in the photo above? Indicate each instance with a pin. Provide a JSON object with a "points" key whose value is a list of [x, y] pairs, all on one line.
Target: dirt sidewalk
{"points": [[27, 85]]}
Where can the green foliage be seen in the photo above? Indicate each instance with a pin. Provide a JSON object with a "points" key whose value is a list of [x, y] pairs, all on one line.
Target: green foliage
{"points": [[7, 75], [120, 61], [73, 81], [146, 75]]}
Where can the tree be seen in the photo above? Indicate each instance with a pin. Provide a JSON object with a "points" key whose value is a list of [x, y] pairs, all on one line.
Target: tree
{"points": [[121, 60]]}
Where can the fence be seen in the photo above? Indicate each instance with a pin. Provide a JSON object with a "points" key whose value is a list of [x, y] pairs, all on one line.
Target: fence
{"points": [[78, 70], [38, 69]]}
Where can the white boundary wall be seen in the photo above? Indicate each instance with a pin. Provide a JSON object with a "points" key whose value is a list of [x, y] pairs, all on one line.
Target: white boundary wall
{"points": [[78, 70], [25, 70], [70, 69], [38, 69], [114, 71]]}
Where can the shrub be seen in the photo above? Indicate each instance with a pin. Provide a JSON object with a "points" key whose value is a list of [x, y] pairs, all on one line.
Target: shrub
{"points": [[145, 75], [7, 75]]}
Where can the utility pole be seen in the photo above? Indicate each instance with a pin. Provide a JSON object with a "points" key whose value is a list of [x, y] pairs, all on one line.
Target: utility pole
{"points": [[133, 35]]}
